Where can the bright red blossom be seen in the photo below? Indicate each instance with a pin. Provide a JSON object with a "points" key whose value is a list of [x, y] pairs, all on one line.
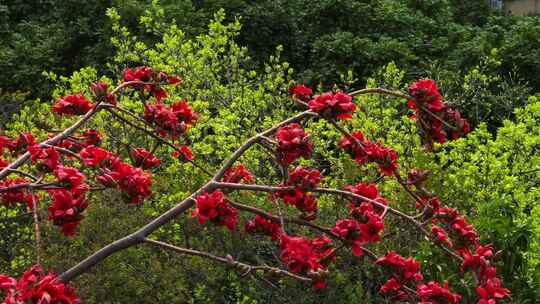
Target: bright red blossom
{"points": [[19, 195], [304, 178], [334, 106], [95, 156], [183, 153], [66, 211], [45, 159], [365, 151], [144, 159], [350, 230], [434, 117], [432, 292], [134, 182], [237, 174], [91, 137], [35, 286], [215, 207], [491, 291], [261, 225], [293, 142], [305, 257], [301, 92], [22, 143], [75, 104]]}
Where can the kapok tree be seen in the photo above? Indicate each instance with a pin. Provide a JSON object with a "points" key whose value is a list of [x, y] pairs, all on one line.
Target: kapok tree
{"points": [[62, 169]]}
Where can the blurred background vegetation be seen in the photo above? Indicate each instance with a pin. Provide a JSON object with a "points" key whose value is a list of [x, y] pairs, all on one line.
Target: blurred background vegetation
{"points": [[237, 59]]}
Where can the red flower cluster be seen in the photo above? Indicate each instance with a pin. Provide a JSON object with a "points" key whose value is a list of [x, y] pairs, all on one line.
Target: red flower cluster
{"points": [[100, 92], [304, 178], [21, 143], [134, 182], [433, 116], [183, 153], [491, 290], [91, 137], [432, 292], [19, 195], [237, 174], [301, 92], [301, 179], [458, 225], [261, 225], [364, 151], [215, 207], [361, 232], [350, 231], [72, 179], [333, 106], [440, 235], [293, 142], [45, 159], [151, 79], [306, 257], [75, 104], [172, 121], [96, 157], [36, 287], [404, 270], [144, 159], [66, 210], [371, 193]]}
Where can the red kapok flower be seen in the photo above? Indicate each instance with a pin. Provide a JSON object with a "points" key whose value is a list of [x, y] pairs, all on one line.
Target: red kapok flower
{"points": [[364, 151], [71, 178], [95, 156], [432, 292], [164, 120], [184, 112], [304, 178], [440, 235], [36, 287], [405, 269], [490, 291], [91, 137], [46, 159], [100, 92], [350, 230], [18, 195], [370, 231], [216, 208], [293, 142], [66, 211], [263, 226], [134, 182], [144, 159], [236, 174], [142, 73], [22, 143], [299, 255], [370, 192], [334, 106], [75, 104], [183, 153], [301, 92], [426, 93], [304, 202]]}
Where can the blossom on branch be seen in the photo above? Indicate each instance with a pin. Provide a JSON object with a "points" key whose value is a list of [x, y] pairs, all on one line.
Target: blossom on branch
{"points": [[215, 207], [144, 159], [35, 286], [66, 210], [364, 151], [293, 142], [75, 104], [333, 106]]}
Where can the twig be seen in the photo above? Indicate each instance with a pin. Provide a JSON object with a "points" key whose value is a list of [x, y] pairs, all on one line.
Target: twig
{"points": [[228, 261]]}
